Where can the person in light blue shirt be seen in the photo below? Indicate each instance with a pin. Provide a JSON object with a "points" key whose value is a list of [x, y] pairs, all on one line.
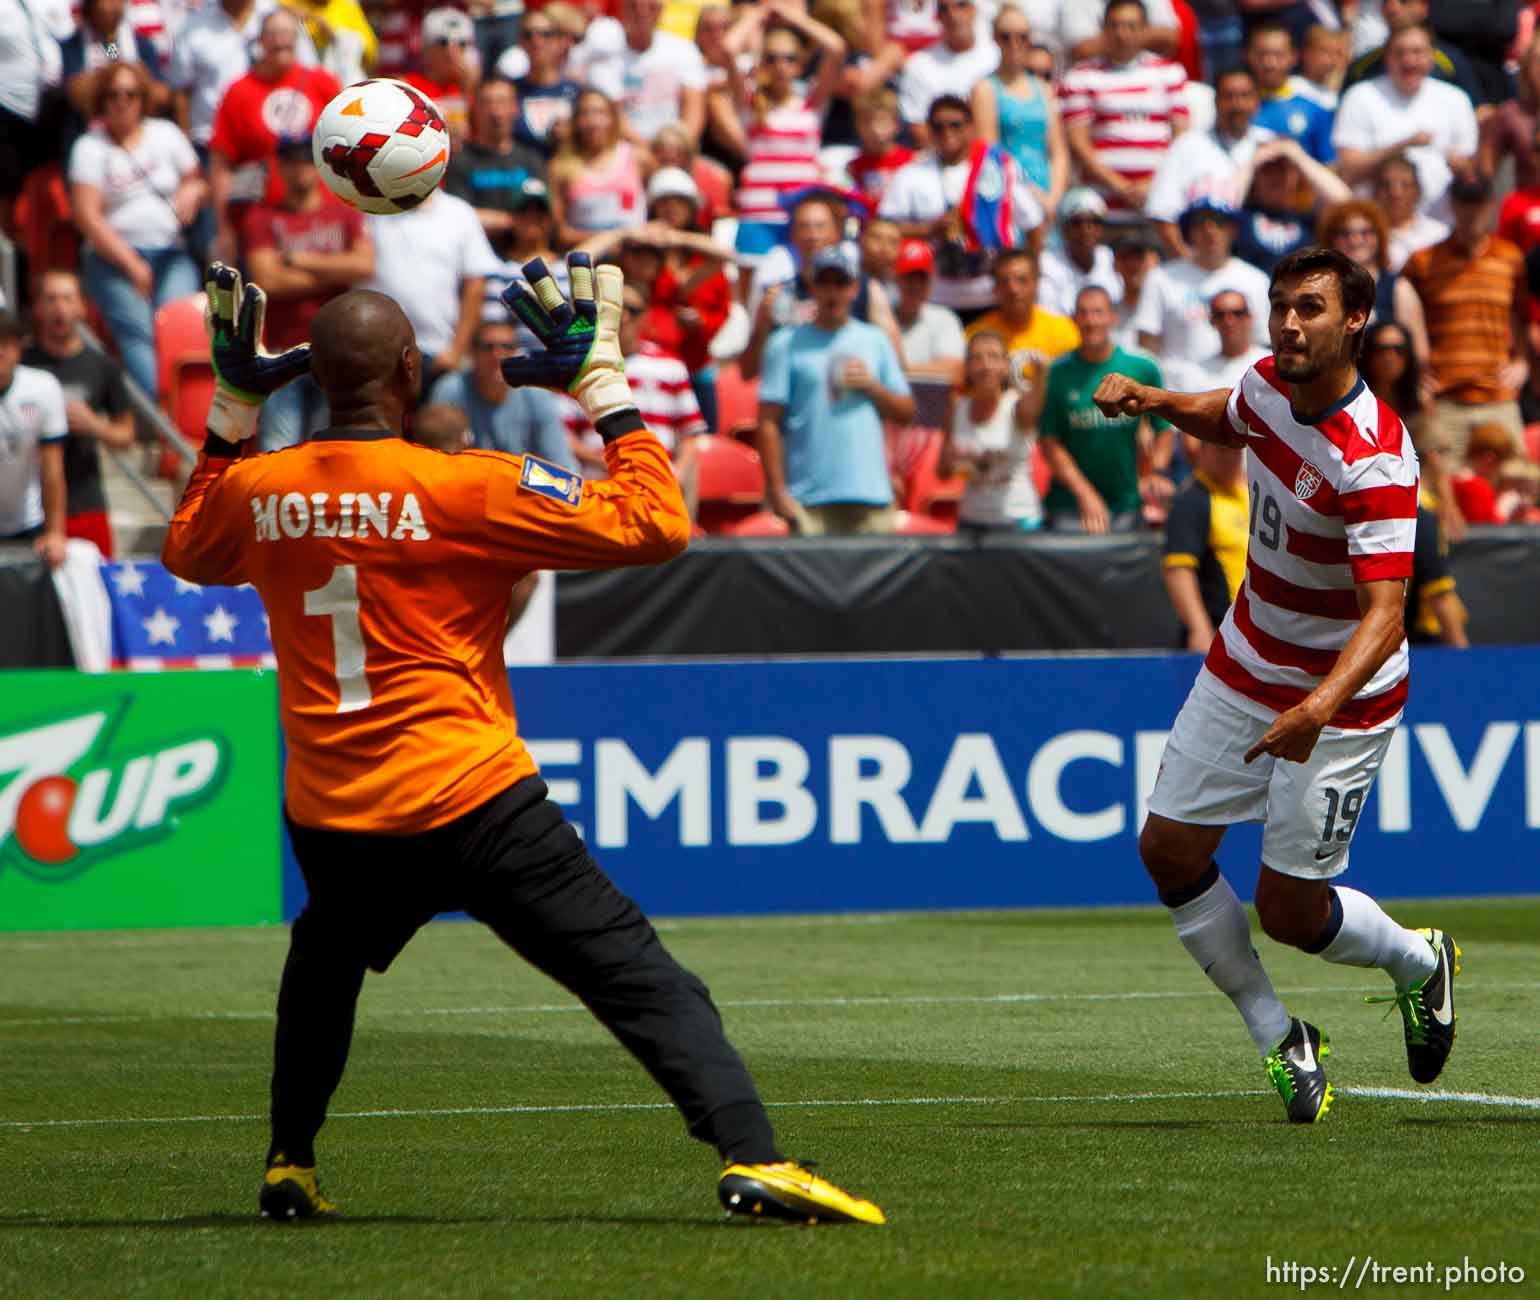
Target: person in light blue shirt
{"points": [[825, 391], [514, 420]]}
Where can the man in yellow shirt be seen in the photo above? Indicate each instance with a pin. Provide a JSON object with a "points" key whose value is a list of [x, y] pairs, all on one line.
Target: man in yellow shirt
{"points": [[1033, 335], [1205, 551]]}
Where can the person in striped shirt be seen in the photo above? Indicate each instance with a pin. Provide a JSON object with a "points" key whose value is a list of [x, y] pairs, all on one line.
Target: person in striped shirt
{"points": [[777, 128], [1122, 111], [1295, 705]]}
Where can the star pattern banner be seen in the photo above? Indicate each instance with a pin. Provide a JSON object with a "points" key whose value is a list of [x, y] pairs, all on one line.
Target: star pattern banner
{"points": [[160, 621]]}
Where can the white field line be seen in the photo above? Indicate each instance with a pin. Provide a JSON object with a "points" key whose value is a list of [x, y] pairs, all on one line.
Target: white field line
{"points": [[33, 941], [751, 1004], [608, 1108]]}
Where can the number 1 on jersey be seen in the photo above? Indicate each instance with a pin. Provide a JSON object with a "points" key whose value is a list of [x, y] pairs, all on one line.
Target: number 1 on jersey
{"points": [[338, 600]]}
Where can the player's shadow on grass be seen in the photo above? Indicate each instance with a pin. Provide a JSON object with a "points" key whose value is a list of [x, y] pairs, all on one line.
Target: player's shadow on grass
{"points": [[1466, 1121], [252, 1222]]}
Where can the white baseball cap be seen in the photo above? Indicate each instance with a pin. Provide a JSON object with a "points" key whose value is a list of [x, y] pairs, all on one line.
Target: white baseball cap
{"points": [[447, 27], [1082, 202], [672, 182]]}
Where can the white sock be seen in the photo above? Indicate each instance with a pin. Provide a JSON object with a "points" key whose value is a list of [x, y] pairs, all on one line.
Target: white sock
{"points": [[1215, 930], [1370, 938]]}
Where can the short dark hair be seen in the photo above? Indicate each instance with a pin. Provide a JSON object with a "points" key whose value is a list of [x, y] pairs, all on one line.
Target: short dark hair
{"points": [[492, 323], [1237, 70], [1093, 288], [1354, 283], [11, 330], [1271, 27], [1008, 255], [949, 101], [829, 201], [1144, 13], [1426, 28]]}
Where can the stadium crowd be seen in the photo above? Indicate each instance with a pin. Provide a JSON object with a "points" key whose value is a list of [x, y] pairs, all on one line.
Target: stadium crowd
{"points": [[890, 246]]}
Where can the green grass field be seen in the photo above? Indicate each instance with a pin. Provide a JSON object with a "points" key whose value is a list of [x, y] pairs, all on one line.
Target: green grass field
{"points": [[1045, 1103]]}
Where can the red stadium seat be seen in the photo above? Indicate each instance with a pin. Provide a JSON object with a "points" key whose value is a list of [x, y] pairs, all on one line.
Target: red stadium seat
{"points": [[737, 400], [179, 334], [1532, 442], [929, 493], [1042, 476], [762, 523], [730, 482], [185, 375], [188, 397]]}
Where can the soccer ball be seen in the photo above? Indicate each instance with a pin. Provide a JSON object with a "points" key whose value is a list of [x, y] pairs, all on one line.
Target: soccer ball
{"points": [[381, 146]]}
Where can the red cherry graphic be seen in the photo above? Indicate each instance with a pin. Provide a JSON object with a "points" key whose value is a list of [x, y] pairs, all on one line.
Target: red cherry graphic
{"points": [[42, 820]]}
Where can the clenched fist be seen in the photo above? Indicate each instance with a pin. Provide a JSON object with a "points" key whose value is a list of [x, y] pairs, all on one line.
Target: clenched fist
{"points": [[1119, 395]]}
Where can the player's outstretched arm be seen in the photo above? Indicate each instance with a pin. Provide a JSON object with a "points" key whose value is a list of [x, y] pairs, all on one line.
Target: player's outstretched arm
{"points": [[580, 339], [203, 543], [1200, 414], [247, 374]]}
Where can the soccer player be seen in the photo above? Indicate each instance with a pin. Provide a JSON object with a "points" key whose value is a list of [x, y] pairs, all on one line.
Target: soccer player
{"points": [[1294, 707], [385, 569]]}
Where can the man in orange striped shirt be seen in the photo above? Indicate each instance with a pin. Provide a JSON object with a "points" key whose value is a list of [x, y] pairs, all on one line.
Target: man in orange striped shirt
{"points": [[385, 569], [1473, 292]]}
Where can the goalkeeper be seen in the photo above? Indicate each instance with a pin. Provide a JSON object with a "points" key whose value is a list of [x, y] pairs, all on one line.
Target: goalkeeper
{"points": [[385, 569]]}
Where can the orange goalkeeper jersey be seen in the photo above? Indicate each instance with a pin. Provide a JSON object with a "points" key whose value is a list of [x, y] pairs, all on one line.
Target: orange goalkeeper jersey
{"points": [[386, 569]]}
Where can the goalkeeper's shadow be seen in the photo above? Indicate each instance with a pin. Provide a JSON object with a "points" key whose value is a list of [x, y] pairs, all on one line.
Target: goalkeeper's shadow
{"points": [[254, 1221]]}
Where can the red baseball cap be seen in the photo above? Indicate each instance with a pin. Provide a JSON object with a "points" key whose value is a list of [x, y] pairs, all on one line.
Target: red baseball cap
{"points": [[915, 255]]}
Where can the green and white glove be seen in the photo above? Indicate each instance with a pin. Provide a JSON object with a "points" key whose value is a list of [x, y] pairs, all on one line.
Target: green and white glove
{"points": [[246, 373], [581, 340]]}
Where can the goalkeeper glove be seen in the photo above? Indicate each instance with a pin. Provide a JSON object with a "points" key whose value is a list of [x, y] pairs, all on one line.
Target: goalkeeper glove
{"points": [[581, 339], [246, 373]]}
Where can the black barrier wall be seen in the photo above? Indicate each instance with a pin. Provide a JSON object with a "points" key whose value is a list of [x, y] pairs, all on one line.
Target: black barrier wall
{"points": [[949, 595], [32, 632]]}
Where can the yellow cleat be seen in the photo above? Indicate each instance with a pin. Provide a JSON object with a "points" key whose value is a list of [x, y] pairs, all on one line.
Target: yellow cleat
{"points": [[290, 1192], [787, 1190]]}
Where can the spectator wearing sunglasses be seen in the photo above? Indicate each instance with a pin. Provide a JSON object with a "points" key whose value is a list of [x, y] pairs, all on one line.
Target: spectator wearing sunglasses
{"points": [[511, 420], [1084, 258], [968, 200], [451, 70], [1018, 110], [134, 184], [778, 127], [546, 94]]}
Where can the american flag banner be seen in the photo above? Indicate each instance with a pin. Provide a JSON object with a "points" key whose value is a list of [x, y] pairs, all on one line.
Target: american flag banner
{"points": [[160, 621]]}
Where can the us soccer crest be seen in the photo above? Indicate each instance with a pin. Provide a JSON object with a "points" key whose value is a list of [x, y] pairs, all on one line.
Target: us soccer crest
{"points": [[1307, 481]]}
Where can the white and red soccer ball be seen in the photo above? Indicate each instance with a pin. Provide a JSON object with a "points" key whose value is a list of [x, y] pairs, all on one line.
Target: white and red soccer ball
{"points": [[381, 146]]}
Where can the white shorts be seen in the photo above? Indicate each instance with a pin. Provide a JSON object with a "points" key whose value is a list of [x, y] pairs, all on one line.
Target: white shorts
{"points": [[1309, 810]]}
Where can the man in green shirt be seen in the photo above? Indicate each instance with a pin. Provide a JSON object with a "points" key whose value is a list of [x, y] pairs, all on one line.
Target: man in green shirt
{"points": [[1095, 458]]}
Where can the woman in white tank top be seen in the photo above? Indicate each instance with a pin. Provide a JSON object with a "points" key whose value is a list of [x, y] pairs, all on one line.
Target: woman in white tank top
{"points": [[985, 443]]}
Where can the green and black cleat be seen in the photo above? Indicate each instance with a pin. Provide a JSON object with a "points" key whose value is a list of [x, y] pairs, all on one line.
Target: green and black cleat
{"points": [[1294, 1067], [1427, 1010]]}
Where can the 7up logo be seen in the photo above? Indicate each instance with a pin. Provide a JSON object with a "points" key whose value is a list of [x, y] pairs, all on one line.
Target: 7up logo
{"points": [[69, 797]]}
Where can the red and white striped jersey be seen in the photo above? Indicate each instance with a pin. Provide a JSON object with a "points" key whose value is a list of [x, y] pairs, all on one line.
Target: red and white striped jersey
{"points": [[1131, 109], [661, 385], [783, 157], [1333, 503]]}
